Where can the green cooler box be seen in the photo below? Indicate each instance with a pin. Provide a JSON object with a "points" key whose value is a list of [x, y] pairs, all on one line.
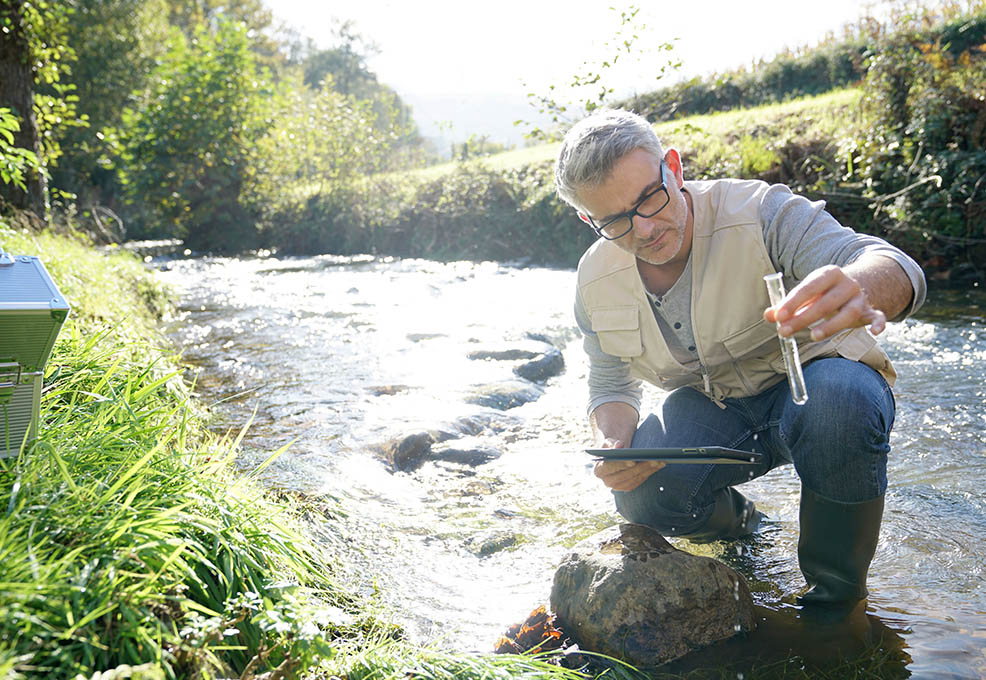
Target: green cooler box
{"points": [[31, 314]]}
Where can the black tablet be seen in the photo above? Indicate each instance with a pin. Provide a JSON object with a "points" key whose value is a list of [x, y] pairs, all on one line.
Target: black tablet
{"points": [[699, 454]]}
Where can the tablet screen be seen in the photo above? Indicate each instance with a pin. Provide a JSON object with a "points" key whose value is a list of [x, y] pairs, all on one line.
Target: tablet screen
{"points": [[699, 454]]}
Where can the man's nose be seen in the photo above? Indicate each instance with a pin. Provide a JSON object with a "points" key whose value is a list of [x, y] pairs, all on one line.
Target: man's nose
{"points": [[643, 227]]}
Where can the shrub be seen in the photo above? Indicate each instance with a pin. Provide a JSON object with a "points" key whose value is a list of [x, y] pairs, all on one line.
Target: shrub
{"points": [[923, 159], [186, 142]]}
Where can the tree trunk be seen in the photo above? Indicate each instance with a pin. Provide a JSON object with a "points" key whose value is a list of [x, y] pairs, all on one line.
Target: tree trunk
{"points": [[17, 93]]}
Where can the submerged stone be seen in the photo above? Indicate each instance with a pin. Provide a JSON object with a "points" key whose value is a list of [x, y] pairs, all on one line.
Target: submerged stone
{"points": [[489, 543], [387, 390], [628, 593], [505, 395], [544, 366], [407, 452], [465, 452], [476, 424], [502, 354]]}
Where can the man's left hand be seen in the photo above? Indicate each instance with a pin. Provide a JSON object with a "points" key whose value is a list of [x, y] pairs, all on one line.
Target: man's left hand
{"points": [[830, 296]]}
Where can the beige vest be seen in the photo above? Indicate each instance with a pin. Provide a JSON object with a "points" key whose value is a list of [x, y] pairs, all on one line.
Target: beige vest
{"points": [[739, 353]]}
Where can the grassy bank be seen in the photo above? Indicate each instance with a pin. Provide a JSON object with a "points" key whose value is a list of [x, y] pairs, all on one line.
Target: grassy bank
{"points": [[125, 540], [504, 207]]}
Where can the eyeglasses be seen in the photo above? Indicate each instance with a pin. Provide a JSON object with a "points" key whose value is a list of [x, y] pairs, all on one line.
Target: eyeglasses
{"points": [[649, 205]]}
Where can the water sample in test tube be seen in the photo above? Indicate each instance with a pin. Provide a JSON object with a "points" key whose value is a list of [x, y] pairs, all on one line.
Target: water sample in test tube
{"points": [[792, 361]]}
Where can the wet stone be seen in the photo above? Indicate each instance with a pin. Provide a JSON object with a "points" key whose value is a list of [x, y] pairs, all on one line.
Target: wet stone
{"points": [[628, 593], [476, 488], [489, 543], [465, 454], [476, 424], [502, 355], [407, 452], [505, 395], [544, 366], [387, 390]]}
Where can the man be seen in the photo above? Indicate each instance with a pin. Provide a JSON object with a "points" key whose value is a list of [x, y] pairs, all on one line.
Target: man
{"points": [[673, 293]]}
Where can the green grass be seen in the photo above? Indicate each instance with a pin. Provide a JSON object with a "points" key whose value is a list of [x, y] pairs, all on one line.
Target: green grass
{"points": [[123, 535], [749, 142], [707, 136]]}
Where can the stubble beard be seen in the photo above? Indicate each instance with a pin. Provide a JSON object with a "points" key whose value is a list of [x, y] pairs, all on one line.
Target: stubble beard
{"points": [[671, 247]]}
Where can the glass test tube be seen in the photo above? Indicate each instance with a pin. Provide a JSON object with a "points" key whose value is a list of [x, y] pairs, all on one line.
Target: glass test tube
{"points": [[792, 361]]}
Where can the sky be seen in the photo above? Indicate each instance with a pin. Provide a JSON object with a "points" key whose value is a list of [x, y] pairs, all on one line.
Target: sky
{"points": [[460, 59]]}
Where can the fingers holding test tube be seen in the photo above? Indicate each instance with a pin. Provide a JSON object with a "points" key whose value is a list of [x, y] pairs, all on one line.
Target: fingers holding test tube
{"points": [[830, 301]]}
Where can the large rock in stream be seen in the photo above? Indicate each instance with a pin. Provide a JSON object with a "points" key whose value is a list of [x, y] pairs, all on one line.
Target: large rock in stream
{"points": [[543, 366], [541, 359], [409, 451], [628, 593]]}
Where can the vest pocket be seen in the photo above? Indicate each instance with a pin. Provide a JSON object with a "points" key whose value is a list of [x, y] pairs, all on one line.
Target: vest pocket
{"points": [[618, 330], [751, 339]]}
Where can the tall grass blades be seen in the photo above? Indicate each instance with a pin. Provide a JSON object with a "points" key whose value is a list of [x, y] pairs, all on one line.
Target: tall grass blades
{"points": [[119, 547], [124, 537]]}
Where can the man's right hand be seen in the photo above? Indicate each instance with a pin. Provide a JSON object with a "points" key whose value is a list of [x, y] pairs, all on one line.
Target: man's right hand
{"points": [[624, 475]]}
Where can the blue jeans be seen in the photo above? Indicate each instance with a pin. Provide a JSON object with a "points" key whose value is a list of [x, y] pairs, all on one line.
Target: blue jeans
{"points": [[838, 442]]}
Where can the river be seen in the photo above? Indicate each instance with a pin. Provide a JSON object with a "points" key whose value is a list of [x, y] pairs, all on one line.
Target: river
{"points": [[338, 356]]}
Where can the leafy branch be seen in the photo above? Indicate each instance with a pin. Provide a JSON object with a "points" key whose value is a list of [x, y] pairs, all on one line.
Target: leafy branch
{"points": [[591, 87]]}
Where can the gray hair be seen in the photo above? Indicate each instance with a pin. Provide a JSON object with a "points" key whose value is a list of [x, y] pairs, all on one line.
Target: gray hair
{"points": [[593, 146]]}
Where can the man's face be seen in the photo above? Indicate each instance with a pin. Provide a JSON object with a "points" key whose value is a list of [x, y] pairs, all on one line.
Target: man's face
{"points": [[659, 239]]}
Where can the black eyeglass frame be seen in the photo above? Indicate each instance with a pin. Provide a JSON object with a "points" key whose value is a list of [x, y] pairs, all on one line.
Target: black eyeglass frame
{"points": [[634, 211]]}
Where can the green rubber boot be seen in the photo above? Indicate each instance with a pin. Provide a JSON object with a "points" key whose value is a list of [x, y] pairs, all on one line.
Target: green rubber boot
{"points": [[733, 516], [836, 546]]}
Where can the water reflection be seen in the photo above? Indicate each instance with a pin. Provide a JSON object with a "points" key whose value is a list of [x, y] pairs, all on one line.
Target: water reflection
{"points": [[345, 354]]}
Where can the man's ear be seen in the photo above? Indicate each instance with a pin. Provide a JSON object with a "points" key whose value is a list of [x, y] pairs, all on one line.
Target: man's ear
{"points": [[673, 160], [584, 217]]}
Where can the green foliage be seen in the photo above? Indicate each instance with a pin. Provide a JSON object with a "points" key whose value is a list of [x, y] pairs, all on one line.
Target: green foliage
{"points": [[318, 138], [344, 69], [345, 64], [49, 24], [395, 661], [194, 16], [15, 162], [186, 142], [835, 64], [471, 211], [322, 142], [476, 147], [787, 76], [756, 156], [115, 45], [922, 161]]}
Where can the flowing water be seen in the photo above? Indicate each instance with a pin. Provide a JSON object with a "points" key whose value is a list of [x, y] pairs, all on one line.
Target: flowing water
{"points": [[341, 355]]}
